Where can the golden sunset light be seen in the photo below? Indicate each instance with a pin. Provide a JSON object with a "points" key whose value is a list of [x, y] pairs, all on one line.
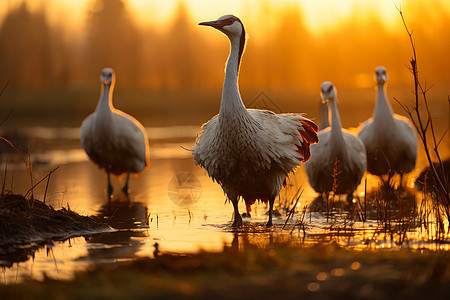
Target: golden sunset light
{"points": [[318, 15], [158, 46], [345, 23], [231, 149]]}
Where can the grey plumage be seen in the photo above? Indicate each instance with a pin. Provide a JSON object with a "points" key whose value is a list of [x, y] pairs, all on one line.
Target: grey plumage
{"points": [[390, 140], [112, 139], [249, 152], [338, 161]]}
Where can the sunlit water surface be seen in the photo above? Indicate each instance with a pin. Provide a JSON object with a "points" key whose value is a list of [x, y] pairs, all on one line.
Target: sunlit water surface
{"points": [[173, 204]]}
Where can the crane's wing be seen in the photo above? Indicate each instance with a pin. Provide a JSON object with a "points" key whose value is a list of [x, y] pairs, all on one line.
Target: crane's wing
{"points": [[365, 131], [204, 141], [406, 139], [407, 132], [281, 140], [85, 136], [357, 158], [285, 138], [132, 139]]}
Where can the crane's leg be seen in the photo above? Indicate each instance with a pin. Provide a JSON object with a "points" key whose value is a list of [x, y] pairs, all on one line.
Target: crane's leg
{"points": [[389, 179], [110, 188], [125, 187], [271, 202], [247, 213], [237, 217]]}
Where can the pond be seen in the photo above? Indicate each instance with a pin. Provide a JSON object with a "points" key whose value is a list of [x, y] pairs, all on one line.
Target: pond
{"points": [[173, 207]]}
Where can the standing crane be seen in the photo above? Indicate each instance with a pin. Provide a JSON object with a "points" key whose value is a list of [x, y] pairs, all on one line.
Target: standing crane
{"points": [[338, 161], [249, 152], [112, 139], [390, 140]]}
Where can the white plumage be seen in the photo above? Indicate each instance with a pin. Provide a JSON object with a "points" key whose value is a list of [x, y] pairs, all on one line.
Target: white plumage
{"points": [[338, 161], [390, 140], [112, 139], [249, 152]]}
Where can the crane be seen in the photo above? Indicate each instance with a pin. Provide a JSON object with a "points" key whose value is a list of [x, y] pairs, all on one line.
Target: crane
{"points": [[390, 140], [249, 152], [112, 139], [338, 161]]}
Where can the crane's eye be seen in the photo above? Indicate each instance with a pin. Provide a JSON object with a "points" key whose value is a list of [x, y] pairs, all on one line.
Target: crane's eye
{"points": [[229, 21]]}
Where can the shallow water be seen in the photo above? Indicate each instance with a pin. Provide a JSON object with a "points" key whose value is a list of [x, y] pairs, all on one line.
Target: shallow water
{"points": [[173, 204]]}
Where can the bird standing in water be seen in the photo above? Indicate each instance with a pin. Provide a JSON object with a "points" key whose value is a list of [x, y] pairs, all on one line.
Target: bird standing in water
{"points": [[249, 152], [112, 139], [338, 161], [390, 140]]}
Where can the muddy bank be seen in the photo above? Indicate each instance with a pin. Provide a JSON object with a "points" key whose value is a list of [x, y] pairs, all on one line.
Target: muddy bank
{"points": [[24, 221], [319, 272]]}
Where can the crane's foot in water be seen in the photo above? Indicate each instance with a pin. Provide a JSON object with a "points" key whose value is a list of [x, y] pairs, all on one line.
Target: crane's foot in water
{"points": [[237, 221], [269, 223]]}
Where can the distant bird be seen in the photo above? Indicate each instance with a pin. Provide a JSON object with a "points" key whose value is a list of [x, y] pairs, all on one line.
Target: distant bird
{"points": [[113, 140], [390, 140], [338, 161], [426, 178], [249, 152]]}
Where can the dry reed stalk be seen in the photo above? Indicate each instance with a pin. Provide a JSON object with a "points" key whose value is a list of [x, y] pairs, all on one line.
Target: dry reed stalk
{"points": [[425, 128]]}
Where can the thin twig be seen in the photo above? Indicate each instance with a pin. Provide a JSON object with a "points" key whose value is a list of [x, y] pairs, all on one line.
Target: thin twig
{"points": [[291, 212], [7, 117], [4, 181], [4, 88], [27, 163], [46, 186], [48, 175], [422, 128]]}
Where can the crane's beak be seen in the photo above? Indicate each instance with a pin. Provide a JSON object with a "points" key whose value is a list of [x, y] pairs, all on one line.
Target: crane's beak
{"points": [[382, 78], [380, 75], [106, 80], [216, 24]]}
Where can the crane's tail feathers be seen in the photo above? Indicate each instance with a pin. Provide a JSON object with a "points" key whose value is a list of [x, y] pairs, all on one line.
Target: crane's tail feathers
{"points": [[309, 135], [250, 202], [309, 132]]}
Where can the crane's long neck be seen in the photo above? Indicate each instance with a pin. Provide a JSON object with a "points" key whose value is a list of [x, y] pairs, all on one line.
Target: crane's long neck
{"points": [[105, 106], [231, 106], [324, 122], [336, 126], [383, 110]]}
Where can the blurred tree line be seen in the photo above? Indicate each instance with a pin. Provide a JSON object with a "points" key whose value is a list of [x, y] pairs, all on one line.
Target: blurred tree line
{"points": [[285, 56]]}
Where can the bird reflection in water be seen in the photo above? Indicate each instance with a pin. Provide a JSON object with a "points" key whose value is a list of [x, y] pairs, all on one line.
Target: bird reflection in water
{"points": [[331, 203], [252, 236], [127, 217]]}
